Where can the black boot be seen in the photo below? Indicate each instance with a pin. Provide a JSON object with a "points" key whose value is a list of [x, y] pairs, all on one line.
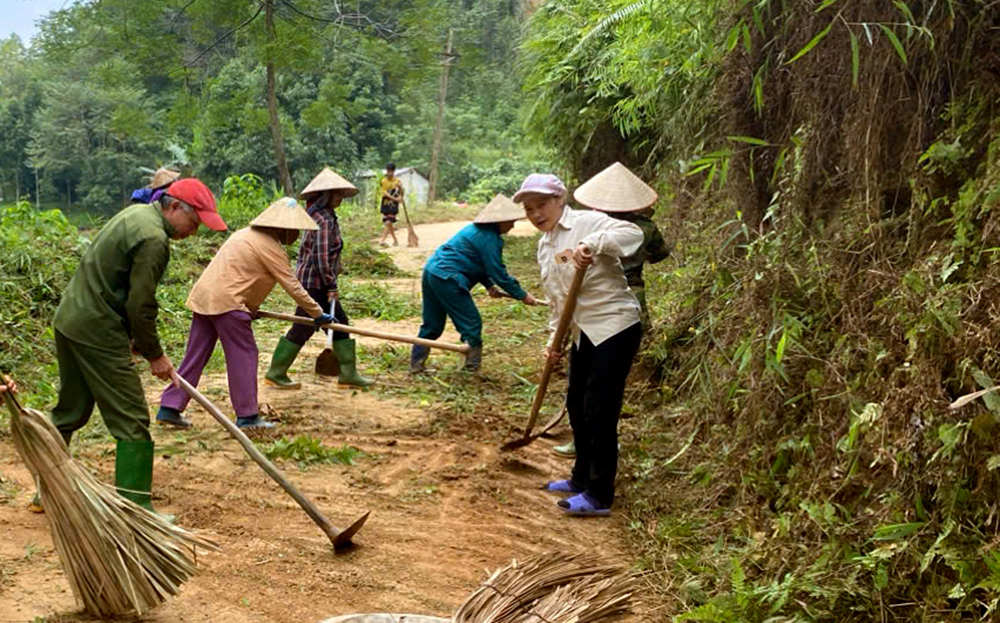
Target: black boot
{"points": [[474, 359], [418, 359]]}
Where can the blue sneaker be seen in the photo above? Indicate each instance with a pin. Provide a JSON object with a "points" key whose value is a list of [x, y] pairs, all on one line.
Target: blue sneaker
{"points": [[172, 417]]}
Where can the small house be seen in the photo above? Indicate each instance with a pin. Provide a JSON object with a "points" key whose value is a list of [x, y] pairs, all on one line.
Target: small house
{"points": [[415, 184]]}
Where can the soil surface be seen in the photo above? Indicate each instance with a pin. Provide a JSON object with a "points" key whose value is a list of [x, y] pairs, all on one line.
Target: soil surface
{"points": [[446, 508]]}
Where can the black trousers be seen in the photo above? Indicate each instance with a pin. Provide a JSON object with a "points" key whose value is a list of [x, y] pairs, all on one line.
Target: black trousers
{"points": [[597, 376], [300, 333]]}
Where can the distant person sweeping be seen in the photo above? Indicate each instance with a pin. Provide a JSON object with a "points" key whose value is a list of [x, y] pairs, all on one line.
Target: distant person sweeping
{"points": [[161, 181], [110, 308], [605, 326], [224, 300], [318, 268], [473, 255], [391, 194]]}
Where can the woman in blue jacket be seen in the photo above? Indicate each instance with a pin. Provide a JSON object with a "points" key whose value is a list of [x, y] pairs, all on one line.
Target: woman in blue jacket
{"points": [[473, 255]]}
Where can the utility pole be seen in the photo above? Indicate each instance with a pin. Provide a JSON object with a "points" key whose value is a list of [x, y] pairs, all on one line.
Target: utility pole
{"points": [[439, 128]]}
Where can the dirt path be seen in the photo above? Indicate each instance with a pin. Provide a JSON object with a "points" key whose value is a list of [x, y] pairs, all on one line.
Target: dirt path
{"points": [[446, 508], [431, 236]]}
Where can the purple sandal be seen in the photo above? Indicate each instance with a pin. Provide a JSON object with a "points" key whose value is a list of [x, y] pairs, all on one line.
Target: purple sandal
{"points": [[561, 486], [583, 505]]}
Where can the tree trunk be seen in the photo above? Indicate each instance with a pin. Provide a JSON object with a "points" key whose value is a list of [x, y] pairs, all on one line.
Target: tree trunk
{"points": [[439, 127], [272, 106]]}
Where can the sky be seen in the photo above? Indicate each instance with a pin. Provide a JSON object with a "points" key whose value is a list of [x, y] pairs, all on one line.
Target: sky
{"points": [[18, 16]]}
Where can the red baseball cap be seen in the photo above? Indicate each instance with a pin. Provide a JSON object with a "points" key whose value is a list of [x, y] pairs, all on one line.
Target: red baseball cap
{"points": [[194, 193]]}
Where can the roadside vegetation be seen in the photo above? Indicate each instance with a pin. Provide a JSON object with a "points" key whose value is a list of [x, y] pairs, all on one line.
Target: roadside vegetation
{"points": [[832, 179], [830, 174]]}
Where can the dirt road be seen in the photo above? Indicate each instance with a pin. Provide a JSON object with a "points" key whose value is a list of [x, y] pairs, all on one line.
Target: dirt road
{"points": [[446, 508], [431, 236]]}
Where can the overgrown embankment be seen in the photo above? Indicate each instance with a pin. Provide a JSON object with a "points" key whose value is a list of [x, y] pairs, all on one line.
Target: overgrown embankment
{"points": [[835, 214]]}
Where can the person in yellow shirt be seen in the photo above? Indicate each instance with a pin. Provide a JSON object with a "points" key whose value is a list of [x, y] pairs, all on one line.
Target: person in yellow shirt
{"points": [[391, 195], [226, 298]]}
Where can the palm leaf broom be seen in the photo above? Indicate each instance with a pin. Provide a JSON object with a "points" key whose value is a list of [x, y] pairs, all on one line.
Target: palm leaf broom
{"points": [[119, 558], [553, 587]]}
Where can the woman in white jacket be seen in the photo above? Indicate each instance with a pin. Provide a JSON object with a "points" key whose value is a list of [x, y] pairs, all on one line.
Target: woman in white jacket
{"points": [[605, 332]]}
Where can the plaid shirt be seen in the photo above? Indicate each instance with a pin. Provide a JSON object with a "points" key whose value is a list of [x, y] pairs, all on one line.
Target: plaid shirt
{"points": [[319, 255]]}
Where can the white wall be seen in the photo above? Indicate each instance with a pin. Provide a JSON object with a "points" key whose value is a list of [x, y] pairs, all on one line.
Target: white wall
{"points": [[416, 186]]}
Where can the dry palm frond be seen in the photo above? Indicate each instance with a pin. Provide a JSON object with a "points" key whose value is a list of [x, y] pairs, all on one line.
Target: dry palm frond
{"points": [[550, 588], [119, 558]]}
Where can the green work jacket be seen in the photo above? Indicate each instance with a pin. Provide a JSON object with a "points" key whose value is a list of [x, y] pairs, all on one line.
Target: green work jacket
{"points": [[112, 296]]}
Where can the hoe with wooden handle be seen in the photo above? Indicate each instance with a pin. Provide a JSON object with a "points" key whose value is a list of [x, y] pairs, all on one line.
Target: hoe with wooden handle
{"points": [[339, 538], [557, 342], [457, 348]]}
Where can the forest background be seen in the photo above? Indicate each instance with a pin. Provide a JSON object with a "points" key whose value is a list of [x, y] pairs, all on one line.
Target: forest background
{"points": [[830, 181]]}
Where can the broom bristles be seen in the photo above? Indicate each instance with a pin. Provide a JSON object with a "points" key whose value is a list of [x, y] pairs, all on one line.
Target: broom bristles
{"points": [[119, 558], [553, 587]]}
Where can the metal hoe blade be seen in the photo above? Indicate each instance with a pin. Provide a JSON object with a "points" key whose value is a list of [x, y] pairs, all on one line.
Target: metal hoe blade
{"points": [[514, 444]]}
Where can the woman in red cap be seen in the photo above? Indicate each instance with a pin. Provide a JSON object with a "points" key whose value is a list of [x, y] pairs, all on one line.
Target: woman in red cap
{"points": [[110, 306]]}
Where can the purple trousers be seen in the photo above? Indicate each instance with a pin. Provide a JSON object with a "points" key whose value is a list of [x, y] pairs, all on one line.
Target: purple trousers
{"points": [[233, 330]]}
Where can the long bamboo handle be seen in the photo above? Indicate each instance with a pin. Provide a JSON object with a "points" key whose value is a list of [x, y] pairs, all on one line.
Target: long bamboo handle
{"points": [[259, 458], [557, 342], [458, 348]]}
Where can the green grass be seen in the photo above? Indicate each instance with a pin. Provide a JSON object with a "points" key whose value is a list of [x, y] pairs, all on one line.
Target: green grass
{"points": [[306, 450], [371, 299]]}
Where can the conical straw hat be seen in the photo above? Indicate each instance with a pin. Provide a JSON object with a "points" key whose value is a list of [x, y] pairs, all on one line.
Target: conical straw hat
{"points": [[615, 189], [328, 180], [285, 213], [163, 177], [499, 210]]}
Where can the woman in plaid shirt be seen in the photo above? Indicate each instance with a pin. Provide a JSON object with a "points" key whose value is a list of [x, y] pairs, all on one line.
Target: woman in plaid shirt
{"points": [[317, 269]]}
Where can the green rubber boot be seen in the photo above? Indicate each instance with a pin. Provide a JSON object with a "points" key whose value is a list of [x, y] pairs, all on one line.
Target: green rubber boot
{"points": [[347, 356], [134, 473], [567, 451], [284, 354]]}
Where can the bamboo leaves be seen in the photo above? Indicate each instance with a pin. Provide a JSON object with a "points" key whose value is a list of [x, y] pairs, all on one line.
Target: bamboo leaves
{"points": [[812, 44], [894, 40], [749, 140], [855, 60]]}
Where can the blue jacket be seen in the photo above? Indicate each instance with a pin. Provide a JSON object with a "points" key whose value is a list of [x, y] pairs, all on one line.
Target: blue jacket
{"points": [[474, 255]]}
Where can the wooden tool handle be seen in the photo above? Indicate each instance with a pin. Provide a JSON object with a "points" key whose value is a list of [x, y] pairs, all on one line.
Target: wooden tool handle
{"points": [[542, 302], [557, 342], [331, 531], [406, 214], [458, 348]]}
